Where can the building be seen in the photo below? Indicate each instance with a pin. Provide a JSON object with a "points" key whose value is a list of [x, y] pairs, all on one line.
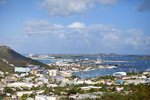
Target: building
{"points": [[119, 81], [1, 74], [22, 69], [66, 73], [20, 84], [79, 81], [119, 74], [21, 93], [135, 82], [53, 72], [90, 87], [43, 97], [10, 79], [119, 88], [34, 71]]}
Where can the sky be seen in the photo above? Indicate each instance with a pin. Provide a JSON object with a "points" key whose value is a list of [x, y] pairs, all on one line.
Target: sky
{"points": [[76, 26]]}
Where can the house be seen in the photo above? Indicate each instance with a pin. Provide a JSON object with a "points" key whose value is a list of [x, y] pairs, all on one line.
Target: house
{"points": [[42, 79], [141, 77], [39, 91], [2, 86], [126, 78], [59, 78], [85, 96], [34, 71], [147, 80], [10, 79], [79, 81], [88, 82], [135, 82], [100, 81], [52, 85], [53, 72], [21, 93], [66, 73], [30, 98], [90, 87], [43, 97], [1, 74], [66, 81], [119, 88], [109, 83], [20, 84], [146, 73]]}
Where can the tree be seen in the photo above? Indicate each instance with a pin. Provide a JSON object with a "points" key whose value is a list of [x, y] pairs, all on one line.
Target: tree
{"points": [[24, 97], [9, 90], [47, 90]]}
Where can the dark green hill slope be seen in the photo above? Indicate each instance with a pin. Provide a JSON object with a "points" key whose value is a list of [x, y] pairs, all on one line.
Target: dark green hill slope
{"points": [[10, 57]]}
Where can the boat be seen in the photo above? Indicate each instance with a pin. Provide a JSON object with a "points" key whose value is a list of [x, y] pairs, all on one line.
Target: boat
{"points": [[98, 61], [111, 67]]}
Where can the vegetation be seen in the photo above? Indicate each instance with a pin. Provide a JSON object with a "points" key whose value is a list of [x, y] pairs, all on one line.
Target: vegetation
{"points": [[9, 56], [5, 67], [9, 90], [105, 77], [24, 97], [138, 92], [134, 73]]}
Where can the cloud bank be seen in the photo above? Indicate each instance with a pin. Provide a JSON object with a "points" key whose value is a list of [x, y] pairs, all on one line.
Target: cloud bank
{"points": [[68, 7], [96, 37]]}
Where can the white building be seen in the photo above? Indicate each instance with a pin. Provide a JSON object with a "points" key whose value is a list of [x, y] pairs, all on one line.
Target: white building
{"points": [[79, 81], [90, 87], [89, 82], [119, 88], [52, 85], [43, 97], [20, 84], [21, 93], [119, 74], [66, 73], [22, 69], [135, 82], [1, 73], [53, 72]]}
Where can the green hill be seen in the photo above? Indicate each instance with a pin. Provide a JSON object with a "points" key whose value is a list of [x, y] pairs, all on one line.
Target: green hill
{"points": [[9, 57]]}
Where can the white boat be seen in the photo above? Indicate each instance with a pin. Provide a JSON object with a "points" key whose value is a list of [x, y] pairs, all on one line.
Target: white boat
{"points": [[98, 61], [106, 67], [111, 67]]}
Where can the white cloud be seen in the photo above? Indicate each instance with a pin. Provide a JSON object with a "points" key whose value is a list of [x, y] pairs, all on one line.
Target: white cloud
{"points": [[137, 39], [42, 28], [68, 7], [108, 1], [96, 36], [76, 25]]}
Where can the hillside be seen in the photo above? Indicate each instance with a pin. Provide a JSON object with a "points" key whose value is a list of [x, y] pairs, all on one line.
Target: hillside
{"points": [[9, 57]]}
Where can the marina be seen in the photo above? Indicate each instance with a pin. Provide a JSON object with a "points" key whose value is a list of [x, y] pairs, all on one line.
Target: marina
{"points": [[88, 66]]}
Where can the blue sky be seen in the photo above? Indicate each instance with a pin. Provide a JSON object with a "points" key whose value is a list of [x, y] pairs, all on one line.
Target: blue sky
{"points": [[76, 26]]}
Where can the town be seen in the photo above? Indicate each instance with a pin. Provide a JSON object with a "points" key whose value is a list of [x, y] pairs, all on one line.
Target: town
{"points": [[74, 49], [36, 83]]}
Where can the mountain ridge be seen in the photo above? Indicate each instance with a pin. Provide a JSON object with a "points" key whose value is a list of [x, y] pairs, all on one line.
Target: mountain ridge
{"points": [[10, 58]]}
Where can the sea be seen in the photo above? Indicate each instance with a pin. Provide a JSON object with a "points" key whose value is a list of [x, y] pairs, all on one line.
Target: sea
{"points": [[125, 63]]}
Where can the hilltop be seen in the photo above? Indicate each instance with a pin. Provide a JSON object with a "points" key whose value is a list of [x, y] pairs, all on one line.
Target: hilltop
{"points": [[10, 58]]}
